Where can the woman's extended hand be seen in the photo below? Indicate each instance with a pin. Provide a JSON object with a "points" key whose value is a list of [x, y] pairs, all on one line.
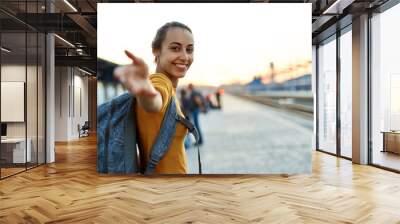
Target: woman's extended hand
{"points": [[135, 77]]}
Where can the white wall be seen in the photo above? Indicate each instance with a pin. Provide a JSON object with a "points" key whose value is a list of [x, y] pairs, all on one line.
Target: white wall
{"points": [[61, 103], [17, 73], [70, 83], [80, 84]]}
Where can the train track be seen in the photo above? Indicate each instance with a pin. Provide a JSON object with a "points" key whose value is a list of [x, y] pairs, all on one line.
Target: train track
{"points": [[298, 109]]}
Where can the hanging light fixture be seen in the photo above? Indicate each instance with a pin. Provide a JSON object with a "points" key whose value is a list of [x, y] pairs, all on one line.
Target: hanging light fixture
{"points": [[70, 5], [5, 50], [64, 40]]}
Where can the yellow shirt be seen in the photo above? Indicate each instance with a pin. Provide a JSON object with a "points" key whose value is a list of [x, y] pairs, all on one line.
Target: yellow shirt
{"points": [[174, 161]]}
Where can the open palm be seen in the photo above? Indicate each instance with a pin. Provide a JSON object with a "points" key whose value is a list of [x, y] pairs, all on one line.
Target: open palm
{"points": [[135, 77]]}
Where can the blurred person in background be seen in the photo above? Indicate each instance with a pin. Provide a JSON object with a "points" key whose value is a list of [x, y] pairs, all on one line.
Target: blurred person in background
{"points": [[210, 102], [218, 94], [185, 107], [197, 105]]}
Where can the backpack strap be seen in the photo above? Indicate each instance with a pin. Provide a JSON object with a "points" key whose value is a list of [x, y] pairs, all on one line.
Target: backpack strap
{"points": [[192, 129], [131, 160], [164, 137], [166, 134]]}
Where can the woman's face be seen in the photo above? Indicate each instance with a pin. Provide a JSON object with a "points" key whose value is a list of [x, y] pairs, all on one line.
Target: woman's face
{"points": [[176, 54]]}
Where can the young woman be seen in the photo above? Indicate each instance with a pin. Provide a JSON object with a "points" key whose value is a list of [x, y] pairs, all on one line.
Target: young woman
{"points": [[172, 48]]}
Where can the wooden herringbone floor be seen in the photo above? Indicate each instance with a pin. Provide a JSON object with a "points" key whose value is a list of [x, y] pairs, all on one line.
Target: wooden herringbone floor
{"points": [[70, 191]]}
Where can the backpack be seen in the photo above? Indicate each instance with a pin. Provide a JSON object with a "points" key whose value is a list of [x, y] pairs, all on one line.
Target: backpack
{"points": [[117, 136]]}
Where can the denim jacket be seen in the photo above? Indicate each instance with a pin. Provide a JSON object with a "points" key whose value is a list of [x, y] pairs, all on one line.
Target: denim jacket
{"points": [[117, 137]]}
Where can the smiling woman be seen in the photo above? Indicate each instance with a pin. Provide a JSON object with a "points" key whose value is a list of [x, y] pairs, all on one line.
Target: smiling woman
{"points": [[173, 51]]}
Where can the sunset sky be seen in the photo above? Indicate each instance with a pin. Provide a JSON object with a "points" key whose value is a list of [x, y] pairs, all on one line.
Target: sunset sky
{"points": [[233, 42]]}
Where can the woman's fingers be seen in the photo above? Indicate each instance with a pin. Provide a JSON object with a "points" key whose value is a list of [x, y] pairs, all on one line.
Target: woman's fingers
{"points": [[130, 55], [136, 60], [141, 66], [134, 77]]}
